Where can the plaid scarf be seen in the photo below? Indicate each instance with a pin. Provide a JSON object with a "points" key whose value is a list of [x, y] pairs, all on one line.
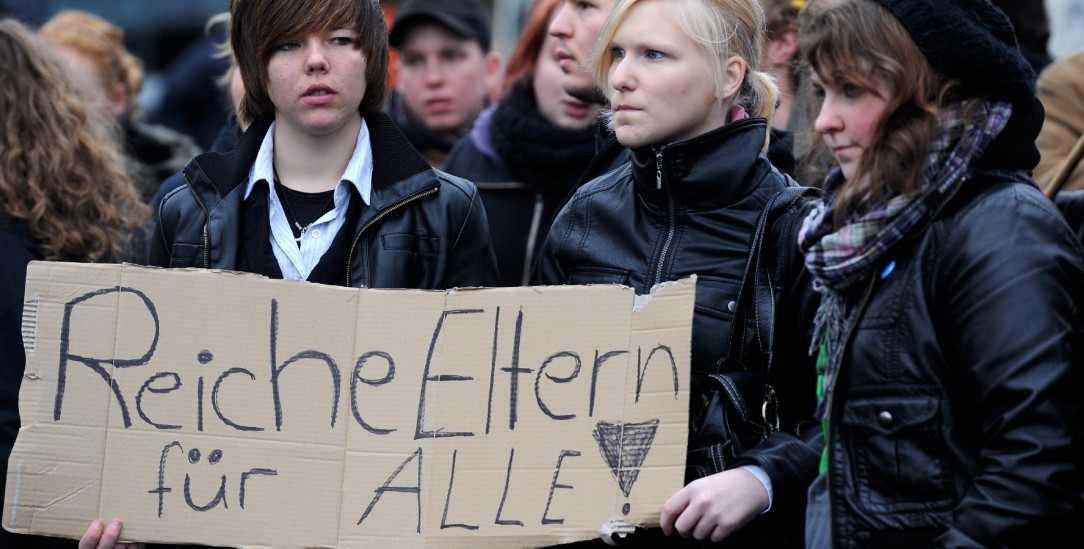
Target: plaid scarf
{"points": [[839, 258]]}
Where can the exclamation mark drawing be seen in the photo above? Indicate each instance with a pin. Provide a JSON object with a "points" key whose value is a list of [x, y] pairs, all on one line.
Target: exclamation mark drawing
{"points": [[624, 446]]}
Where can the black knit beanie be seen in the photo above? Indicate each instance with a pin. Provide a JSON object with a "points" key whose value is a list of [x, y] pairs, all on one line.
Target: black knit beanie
{"points": [[973, 43]]}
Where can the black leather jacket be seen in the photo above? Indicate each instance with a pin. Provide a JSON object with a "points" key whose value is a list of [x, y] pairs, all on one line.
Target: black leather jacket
{"points": [[967, 432], [424, 229], [690, 208]]}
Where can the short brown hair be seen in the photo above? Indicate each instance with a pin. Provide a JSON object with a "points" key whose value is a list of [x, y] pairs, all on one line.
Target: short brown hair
{"points": [[258, 26]]}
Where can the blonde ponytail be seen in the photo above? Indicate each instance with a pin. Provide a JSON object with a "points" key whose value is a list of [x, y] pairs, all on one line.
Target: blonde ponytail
{"points": [[760, 97]]}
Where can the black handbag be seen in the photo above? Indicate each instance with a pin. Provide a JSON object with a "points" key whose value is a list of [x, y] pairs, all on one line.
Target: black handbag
{"points": [[739, 403]]}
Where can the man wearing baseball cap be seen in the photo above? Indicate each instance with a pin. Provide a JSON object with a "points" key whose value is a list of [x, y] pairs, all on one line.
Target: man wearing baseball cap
{"points": [[446, 70]]}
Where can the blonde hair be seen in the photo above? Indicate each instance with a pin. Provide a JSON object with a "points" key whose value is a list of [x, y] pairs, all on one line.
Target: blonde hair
{"points": [[59, 167], [723, 29], [102, 42]]}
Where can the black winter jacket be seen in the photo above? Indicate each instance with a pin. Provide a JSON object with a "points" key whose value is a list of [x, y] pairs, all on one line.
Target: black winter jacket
{"points": [[424, 229], [17, 250], [690, 208], [956, 415]]}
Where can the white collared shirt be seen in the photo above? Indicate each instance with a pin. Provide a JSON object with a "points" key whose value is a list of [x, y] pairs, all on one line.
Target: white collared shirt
{"points": [[294, 262]]}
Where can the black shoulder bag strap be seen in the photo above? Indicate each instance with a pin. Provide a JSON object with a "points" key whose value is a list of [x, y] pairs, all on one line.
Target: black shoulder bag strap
{"points": [[757, 286]]}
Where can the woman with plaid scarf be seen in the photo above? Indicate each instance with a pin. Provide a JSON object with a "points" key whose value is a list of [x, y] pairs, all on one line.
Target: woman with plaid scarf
{"points": [[949, 334]]}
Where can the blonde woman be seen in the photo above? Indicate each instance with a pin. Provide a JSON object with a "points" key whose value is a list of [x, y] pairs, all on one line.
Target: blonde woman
{"points": [[687, 98]]}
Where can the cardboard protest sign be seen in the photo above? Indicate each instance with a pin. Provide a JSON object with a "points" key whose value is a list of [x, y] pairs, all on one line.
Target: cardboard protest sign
{"points": [[229, 409]]}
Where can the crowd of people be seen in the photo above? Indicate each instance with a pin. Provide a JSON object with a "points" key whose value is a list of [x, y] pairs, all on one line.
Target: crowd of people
{"points": [[926, 349]]}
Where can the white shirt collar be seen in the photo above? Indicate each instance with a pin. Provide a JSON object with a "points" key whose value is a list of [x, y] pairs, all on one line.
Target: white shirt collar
{"points": [[359, 172]]}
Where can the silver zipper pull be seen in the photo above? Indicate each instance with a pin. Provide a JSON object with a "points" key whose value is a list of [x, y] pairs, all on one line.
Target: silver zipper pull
{"points": [[658, 169]]}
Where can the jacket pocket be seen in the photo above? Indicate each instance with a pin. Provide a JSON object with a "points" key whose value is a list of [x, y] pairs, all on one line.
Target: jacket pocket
{"points": [[897, 453], [712, 321], [186, 254], [598, 275], [406, 242]]}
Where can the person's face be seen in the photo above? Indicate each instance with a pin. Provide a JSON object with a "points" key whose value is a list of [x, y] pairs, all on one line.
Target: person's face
{"points": [[560, 108], [316, 82], [576, 25], [662, 88], [848, 119], [443, 77]]}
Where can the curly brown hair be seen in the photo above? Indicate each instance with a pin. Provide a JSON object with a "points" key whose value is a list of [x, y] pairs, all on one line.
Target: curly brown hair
{"points": [[60, 169]]}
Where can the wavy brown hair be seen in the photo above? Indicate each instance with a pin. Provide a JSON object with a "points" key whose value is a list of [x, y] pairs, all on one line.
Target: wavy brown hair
{"points": [[60, 170], [860, 43]]}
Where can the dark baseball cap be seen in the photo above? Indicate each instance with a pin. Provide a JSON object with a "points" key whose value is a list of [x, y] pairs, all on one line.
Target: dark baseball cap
{"points": [[463, 17]]}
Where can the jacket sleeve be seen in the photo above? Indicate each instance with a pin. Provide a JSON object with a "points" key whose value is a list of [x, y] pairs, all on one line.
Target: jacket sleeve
{"points": [[1009, 292], [791, 456], [159, 241]]}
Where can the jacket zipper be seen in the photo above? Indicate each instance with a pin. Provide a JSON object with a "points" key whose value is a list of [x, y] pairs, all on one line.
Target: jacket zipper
{"points": [[206, 221], [671, 219], [839, 362], [393, 207]]}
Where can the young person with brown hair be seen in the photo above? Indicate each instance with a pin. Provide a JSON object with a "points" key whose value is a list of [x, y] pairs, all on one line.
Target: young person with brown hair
{"points": [[322, 186], [949, 336]]}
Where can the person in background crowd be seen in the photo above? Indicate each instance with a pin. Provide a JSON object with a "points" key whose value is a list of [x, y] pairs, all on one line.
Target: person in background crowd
{"points": [[527, 151], [231, 128], [780, 58], [189, 100], [791, 126], [94, 49], [576, 25], [951, 328], [1061, 90], [446, 72], [690, 103], [64, 196]]}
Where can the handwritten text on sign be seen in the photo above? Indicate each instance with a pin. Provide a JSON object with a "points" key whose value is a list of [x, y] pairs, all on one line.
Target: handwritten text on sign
{"points": [[232, 410]]}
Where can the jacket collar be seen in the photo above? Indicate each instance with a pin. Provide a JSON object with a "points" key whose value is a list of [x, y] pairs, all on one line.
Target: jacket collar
{"points": [[707, 172], [396, 165]]}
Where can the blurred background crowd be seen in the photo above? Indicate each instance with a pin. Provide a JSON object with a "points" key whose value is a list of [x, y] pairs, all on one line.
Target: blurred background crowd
{"points": [[177, 53]]}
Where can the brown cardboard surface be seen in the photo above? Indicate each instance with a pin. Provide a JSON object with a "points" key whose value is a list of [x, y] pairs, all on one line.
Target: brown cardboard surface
{"points": [[229, 409]]}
